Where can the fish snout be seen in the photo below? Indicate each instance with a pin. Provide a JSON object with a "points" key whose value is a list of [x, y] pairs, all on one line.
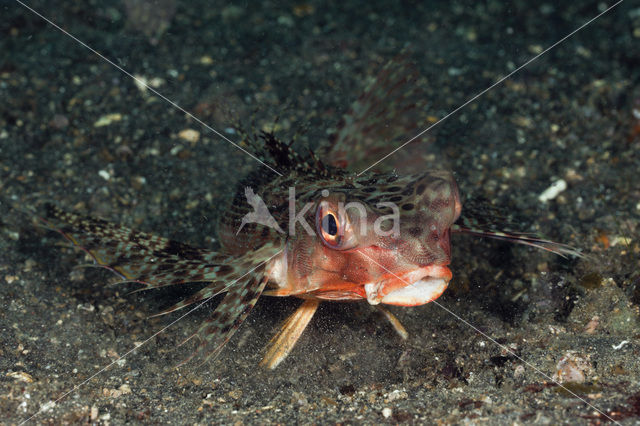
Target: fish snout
{"points": [[418, 287]]}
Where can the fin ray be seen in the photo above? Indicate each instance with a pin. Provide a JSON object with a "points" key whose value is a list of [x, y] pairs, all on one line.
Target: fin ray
{"points": [[480, 218], [227, 318], [137, 256]]}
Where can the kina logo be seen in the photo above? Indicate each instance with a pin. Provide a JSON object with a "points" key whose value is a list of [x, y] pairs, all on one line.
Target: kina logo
{"points": [[260, 213]]}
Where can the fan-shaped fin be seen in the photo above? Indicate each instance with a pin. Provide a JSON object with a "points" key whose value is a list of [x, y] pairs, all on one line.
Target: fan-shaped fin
{"points": [[227, 318], [138, 256]]}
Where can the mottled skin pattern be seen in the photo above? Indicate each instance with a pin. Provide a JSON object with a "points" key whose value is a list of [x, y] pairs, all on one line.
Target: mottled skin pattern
{"points": [[301, 263], [428, 204]]}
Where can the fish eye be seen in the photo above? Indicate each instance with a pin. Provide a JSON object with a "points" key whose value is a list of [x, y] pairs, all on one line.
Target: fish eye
{"points": [[333, 227], [329, 226]]}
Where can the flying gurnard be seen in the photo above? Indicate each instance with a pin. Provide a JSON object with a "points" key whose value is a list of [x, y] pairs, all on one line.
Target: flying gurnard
{"points": [[379, 236]]}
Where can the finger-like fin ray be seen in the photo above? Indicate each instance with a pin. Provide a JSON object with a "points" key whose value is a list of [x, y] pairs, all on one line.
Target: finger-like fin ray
{"points": [[283, 342]]}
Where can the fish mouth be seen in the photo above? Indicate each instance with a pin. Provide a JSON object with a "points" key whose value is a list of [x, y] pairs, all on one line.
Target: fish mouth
{"points": [[414, 288]]}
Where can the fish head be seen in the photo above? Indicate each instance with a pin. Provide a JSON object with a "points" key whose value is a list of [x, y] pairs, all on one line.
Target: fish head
{"points": [[382, 238]]}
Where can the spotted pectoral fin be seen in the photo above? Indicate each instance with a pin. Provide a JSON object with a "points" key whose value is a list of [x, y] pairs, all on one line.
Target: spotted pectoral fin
{"points": [[227, 318], [481, 219], [251, 264], [137, 256], [158, 262], [206, 293]]}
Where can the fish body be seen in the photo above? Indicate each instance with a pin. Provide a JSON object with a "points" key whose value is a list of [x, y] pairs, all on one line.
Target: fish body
{"points": [[338, 253], [319, 232]]}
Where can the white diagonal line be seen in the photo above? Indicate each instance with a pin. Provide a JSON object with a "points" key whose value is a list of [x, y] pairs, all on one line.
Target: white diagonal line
{"points": [[78, 386], [492, 86], [145, 85], [503, 347]]}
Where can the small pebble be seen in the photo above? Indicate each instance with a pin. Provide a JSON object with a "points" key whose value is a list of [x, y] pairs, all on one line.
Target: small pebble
{"points": [[20, 376], [189, 135], [397, 394], [553, 191], [536, 49], [387, 412], [519, 371], [206, 60], [620, 345], [105, 120], [141, 82], [104, 174], [573, 367]]}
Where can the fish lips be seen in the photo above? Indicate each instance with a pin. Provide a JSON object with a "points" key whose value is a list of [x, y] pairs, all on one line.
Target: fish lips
{"points": [[417, 287]]}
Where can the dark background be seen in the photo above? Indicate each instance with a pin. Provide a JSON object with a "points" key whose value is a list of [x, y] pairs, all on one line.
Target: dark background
{"points": [[568, 115]]}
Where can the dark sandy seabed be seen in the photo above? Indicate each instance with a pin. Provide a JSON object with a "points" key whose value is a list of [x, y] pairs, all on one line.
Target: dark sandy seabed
{"points": [[569, 115]]}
